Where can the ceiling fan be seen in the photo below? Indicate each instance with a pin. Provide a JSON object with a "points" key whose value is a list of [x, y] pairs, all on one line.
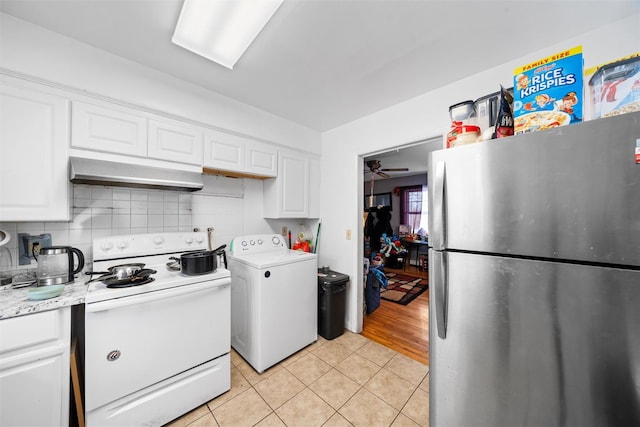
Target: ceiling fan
{"points": [[375, 166]]}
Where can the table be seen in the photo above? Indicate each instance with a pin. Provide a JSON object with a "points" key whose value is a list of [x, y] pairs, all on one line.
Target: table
{"points": [[411, 245]]}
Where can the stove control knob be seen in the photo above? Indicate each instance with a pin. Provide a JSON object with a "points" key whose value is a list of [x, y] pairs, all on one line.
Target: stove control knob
{"points": [[188, 240], [260, 241], [106, 246], [199, 239], [123, 244], [244, 243], [275, 240], [158, 240], [252, 242]]}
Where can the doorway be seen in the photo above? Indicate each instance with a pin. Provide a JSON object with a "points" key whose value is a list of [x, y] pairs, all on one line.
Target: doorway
{"points": [[403, 328]]}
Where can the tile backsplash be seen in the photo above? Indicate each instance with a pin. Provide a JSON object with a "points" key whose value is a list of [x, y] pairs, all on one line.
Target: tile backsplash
{"points": [[100, 211]]}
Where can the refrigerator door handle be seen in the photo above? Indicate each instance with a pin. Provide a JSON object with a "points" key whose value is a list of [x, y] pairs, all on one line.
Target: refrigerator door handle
{"points": [[439, 232], [440, 288]]}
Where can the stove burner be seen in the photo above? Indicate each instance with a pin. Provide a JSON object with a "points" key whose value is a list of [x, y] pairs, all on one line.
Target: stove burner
{"points": [[130, 283]]}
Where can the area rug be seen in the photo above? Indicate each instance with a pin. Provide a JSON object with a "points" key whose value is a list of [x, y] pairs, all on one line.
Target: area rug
{"points": [[403, 289]]}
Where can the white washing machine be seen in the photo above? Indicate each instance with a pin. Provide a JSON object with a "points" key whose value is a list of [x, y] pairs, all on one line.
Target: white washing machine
{"points": [[274, 299]]}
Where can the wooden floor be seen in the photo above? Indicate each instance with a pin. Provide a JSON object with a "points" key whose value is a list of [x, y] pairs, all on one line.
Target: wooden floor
{"points": [[403, 328]]}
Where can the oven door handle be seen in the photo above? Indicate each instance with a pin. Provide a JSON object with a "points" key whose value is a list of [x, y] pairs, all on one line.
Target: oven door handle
{"points": [[153, 296]]}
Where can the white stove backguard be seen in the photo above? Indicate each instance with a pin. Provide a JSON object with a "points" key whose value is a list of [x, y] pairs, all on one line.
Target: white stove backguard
{"points": [[135, 245]]}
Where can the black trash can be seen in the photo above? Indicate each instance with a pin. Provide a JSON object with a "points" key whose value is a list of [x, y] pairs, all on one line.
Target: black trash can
{"points": [[332, 295]]}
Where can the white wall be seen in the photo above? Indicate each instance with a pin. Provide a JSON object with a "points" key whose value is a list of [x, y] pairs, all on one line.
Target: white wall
{"points": [[28, 49], [418, 119]]}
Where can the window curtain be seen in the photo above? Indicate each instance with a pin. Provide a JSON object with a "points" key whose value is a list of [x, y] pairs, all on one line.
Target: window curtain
{"points": [[424, 215], [411, 206]]}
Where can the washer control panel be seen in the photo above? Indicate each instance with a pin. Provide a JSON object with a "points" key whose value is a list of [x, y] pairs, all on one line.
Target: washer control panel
{"points": [[257, 243]]}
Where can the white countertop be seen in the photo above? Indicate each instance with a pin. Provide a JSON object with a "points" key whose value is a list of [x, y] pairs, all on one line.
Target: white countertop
{"points": [[16, 302]]}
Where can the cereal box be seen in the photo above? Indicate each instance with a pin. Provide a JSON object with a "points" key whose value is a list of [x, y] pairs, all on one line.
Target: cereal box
{"points": [[548, 92]]}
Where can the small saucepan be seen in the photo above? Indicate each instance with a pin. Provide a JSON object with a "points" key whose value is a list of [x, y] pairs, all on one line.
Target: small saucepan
{"points": [[118, 272], [198, 262], [138, 276]]}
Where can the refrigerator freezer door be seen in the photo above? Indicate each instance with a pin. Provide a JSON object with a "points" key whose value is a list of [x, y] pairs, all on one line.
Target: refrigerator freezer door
{"points": [[568, 193], [535, 343]]}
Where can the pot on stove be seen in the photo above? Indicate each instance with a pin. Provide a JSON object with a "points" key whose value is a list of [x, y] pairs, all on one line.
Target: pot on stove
{"points": [[199, 262]]}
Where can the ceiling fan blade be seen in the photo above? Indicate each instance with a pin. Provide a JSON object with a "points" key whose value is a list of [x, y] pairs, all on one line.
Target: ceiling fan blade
{"points": [[396, 170], [382, 174]]}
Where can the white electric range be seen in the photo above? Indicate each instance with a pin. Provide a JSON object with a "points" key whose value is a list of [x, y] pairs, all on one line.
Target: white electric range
{"points": [[155, 350]]}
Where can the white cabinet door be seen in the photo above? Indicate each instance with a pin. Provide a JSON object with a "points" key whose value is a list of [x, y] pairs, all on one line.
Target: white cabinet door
{"points": [[288, 195], [175, 141], [34, 145], [224, 151], [261, 159], [239, 156], [109, 129], [294, 197], [34, 369]]}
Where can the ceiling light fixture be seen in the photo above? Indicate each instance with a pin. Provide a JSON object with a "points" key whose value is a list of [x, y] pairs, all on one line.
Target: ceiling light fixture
{"points": [[222, 30]]}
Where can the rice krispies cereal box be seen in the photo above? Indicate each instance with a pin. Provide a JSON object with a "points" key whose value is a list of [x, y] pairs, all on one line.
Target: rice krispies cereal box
{"points": [[549, 92]]}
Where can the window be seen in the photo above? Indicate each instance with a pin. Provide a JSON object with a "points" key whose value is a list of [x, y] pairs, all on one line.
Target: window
{"points": [[413, 207]]}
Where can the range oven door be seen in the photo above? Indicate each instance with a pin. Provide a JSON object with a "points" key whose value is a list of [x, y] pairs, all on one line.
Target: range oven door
{"points": [[138, 341]]}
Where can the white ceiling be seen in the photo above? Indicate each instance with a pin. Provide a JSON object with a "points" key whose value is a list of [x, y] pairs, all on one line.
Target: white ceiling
{"points": [[323, 63]]}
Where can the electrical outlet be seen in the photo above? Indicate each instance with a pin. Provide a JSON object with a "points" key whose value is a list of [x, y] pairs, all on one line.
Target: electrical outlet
{"points": [[34, 247], [28, 244], [284, 231], [348, 234]]}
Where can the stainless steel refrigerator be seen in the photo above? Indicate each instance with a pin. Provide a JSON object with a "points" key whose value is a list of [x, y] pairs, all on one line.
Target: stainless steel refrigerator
{"points": [[534, 271]]}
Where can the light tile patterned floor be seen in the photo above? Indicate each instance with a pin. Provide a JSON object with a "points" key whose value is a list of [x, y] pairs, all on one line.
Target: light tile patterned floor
{"points": [[348, 381]]}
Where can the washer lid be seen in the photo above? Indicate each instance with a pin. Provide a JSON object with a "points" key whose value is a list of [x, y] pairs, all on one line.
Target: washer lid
{"points": [[273, 258]]}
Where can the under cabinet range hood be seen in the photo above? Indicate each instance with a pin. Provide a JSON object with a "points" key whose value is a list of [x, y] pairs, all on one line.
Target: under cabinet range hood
{"points": [[101, 172]]}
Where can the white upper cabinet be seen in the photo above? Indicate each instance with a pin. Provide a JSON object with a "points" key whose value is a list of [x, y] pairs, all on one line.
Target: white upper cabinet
{"points": [[34, 146], [290, 195], [99, 128], [175, 141], [224, 151], [235, 155], [262, 159], [102, 127]]}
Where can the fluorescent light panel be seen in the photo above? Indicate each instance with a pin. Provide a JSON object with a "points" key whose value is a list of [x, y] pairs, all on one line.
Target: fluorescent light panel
{"points": [[222, 30]]}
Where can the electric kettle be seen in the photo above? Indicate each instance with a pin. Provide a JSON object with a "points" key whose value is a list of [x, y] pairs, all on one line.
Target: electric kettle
{"points": [[6, 264], [55, 265]]}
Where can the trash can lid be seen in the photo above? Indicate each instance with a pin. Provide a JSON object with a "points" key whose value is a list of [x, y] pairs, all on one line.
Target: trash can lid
{"points": [[330, 277]]}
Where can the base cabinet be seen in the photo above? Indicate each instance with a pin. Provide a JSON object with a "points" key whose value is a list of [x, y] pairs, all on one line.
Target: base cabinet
{"points": [[34, 369], [34, 146]]}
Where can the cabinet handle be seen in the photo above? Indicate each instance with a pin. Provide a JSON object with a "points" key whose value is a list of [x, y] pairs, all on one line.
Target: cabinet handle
{"points": [[152, 296]]}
